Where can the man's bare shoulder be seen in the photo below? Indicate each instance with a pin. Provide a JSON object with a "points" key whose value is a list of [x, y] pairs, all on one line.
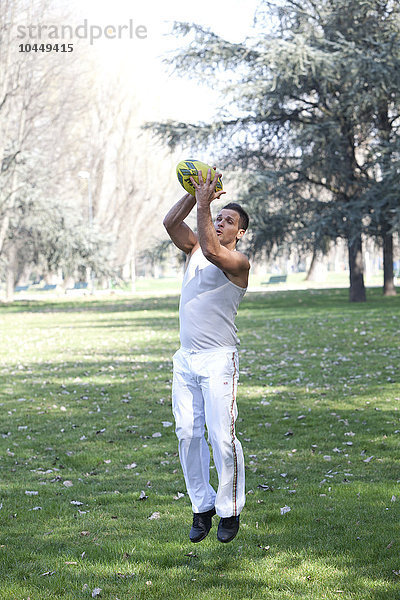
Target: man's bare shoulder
{"points": [[237, 268], [243, 257], [241, 260]]}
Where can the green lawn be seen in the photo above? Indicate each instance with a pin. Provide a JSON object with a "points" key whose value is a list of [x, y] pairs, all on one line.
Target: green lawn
{"points": [[294, 281], [85, 429]]}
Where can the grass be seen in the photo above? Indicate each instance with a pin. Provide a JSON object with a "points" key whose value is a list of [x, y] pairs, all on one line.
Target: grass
{"points": [[85, 386], [168, 284], [294, 281]]}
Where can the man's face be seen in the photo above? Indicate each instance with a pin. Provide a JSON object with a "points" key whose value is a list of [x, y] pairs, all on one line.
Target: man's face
{"points": [[227, 226]]}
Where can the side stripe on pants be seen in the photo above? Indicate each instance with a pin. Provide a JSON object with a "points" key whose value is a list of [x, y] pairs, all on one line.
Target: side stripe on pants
{"points": [[204, 394], [235, 462]]}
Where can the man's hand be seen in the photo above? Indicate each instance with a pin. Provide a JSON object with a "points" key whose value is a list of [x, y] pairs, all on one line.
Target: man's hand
{"points": [[205, 190]]}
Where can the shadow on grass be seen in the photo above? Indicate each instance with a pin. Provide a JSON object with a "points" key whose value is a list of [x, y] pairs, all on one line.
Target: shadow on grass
{"points": [[338, 540], [326, 299], [306, 557], [133, 303], [323, 545]]}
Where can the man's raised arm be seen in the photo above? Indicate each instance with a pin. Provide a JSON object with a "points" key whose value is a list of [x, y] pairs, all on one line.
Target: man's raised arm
{"points": [[234, 264], [180, 233]]}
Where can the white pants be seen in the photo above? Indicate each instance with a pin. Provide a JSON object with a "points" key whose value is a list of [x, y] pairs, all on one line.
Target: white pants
{"points": [[204, 393]]}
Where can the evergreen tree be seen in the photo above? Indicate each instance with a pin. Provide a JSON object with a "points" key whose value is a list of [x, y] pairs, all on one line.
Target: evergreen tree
{"points": [[46, 235], [304, 120]]}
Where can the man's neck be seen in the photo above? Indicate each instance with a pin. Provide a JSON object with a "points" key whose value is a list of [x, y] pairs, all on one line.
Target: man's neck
{"points": [[231, 246]]}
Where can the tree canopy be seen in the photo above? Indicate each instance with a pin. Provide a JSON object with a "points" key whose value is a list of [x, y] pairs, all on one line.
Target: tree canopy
{"points": [[310, 116]]}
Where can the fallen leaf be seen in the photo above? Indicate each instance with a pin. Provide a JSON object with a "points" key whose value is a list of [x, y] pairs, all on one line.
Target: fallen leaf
{"points": [[131, 466], [155, 515], [263, 486]]}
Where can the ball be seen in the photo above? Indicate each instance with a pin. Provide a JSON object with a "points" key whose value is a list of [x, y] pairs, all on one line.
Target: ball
{"points": [[188, 168]]}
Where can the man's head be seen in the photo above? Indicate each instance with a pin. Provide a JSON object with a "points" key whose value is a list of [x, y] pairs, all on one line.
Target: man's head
{"points": [[231, 223], [243, 216]]}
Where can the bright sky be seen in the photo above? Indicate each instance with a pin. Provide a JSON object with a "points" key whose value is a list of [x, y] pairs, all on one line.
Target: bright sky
{"points": [[157, 92], [163, 94]]}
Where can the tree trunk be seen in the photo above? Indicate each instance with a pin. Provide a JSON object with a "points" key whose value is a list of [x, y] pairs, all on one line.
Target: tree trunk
{"points": [[385, 129], [11, 272], [357, 287], [14, 181], [388, 278], [318, 268], [311, 271], [3, 231], [133, 273]]}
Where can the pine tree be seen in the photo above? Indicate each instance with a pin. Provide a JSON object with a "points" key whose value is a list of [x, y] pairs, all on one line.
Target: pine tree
{"points": [[301, 119]]}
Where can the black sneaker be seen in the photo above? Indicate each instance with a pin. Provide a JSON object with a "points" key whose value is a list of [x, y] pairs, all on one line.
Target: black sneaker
{"points": [[227, 529], [201, 525]]}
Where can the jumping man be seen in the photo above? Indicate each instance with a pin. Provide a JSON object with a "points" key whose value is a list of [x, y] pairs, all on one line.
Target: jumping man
{"points": [[206, 367]]}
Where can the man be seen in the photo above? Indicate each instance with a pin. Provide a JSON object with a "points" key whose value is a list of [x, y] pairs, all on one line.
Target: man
{"points": [[206, 366]]}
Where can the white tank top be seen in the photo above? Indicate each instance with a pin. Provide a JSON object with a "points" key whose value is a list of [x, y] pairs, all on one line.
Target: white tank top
{"points": [[208, 306]]}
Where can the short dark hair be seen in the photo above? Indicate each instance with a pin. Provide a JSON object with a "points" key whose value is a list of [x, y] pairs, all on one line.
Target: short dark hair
{"points": [[243, 216]]}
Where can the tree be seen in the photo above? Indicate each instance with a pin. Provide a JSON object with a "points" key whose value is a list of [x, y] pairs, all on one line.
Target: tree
{"points": [[59, 117], [46, 235], [39, 96], [127, 192], [383, 199], [300, 117]]}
